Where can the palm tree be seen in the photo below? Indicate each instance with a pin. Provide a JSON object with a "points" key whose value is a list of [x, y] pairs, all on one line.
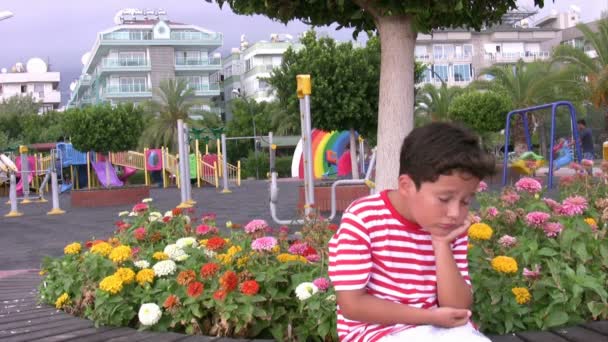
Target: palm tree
{"points": [[527, 85], [176, 100], [593, 69], [432, 103]]}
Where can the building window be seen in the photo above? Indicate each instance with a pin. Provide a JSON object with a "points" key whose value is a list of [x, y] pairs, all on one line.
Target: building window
{"points": [[0, 89], [132, 84], [440, 73], [262, 85], [23, 88], [39, 89], [443, 51], [462, 72]]}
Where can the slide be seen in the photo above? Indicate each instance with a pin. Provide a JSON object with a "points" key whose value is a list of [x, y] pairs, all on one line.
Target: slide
{"points": [[127, 172], [100, 170]]}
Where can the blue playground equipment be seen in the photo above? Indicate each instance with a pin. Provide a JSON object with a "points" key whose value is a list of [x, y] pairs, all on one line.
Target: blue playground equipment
{"points": [[75, 160], [564, 154], [552, 162]]}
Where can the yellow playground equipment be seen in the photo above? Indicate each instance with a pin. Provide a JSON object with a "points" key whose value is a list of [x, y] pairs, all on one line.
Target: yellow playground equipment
{"points": [[527, 163]]}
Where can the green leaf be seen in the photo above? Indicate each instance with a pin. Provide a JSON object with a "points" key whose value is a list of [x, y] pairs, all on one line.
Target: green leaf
{"points": [[546, 251], [556, 318]]}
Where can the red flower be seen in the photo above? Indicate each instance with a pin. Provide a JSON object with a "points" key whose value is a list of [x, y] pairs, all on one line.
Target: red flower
{"points": [[250, 287], [119, 223], [220, 295], [309, 251], [139, 233], [229, 281], [140, 207], [215, 243], [177, 211], [333, 227], [166, 219], [171, 302], [202, 229], [186, 277], [195, 289], [209, 269]]}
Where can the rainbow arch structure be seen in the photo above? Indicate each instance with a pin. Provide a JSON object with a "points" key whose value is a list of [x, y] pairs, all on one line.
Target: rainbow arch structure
{"points": [[322, 142]]}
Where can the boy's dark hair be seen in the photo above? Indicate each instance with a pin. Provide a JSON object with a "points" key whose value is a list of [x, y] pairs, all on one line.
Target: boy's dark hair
{"points": [[582, 122], [441, 148]]}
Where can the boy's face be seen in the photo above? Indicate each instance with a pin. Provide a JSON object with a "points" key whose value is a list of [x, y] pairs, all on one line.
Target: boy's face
{"points": [[442, 205]]}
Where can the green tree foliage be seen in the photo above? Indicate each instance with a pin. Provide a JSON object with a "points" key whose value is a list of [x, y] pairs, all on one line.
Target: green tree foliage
{"points": [[432, 103], [244, 112], [344, 83], [103, 128], [48, 127], [13, 113], [397, 23], [484, 112]]}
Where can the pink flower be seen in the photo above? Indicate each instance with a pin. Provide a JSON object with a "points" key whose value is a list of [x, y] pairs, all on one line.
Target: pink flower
{"points": [[298, 248], [135, 251], [265, 243], [529, 185], [483, 186], [510, 197], [283, 230], [576, 166], [255, 226], [566, 180], [492, 212], [139, 233], [552, 229], [537, 218], [507, 241], [551, 203], [313, 257], [573, 205], [587, 163], [321, 283], [203, 229], [532, 274], [209, 217], [140, 207], [475, 219]]}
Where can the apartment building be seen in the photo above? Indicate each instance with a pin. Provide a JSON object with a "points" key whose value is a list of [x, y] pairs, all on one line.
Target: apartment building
{"points": [[33, 79], [128, 61]]}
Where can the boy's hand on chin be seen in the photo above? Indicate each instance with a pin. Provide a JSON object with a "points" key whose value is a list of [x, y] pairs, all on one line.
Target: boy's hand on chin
{"points": [[449, 235]]}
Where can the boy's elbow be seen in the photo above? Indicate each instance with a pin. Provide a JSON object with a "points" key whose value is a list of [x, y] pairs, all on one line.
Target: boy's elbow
{"points": [[348, 302]]}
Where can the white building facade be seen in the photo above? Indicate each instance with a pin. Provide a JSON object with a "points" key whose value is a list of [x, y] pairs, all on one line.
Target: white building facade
{"points": [[34, 80]]}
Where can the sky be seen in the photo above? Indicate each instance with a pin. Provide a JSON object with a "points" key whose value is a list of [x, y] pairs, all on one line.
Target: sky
{"points": [[61, 31]]}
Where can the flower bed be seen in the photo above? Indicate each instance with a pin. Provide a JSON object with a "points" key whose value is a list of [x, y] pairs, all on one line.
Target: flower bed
{"points": [[535, 263]]}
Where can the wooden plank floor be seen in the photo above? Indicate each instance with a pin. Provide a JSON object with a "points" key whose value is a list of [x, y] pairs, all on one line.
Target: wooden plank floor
{"points": [[22, 319]]}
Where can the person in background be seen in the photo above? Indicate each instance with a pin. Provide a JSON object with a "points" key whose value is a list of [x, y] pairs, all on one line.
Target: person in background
{"points": [[586, 139]]}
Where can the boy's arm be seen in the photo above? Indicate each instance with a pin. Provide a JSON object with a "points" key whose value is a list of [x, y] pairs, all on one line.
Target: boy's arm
{"points": [[452, 288]]}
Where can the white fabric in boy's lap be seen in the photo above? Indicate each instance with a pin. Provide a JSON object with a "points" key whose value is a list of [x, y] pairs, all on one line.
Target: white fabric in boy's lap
{"points": [[424, 333]]}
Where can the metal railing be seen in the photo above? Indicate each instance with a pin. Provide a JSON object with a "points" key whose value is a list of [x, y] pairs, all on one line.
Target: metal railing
{"points": [[132, 159], [208, 173], [124, 62], [127, 88], [196, 61], [192, 35], [128, 35]]}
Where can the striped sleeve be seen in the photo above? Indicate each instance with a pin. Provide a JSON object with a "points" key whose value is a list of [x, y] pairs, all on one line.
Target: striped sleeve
{"points": [[460, 249], [350, 260]]}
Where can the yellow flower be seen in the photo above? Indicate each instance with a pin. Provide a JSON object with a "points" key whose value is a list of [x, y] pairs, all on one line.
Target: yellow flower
{"points": [[111, 284], [144, 276], [42, 272], [504, 264], [470, 246], [233, 250], [203, 242], [126, 275], [224, 258], [120, 254], [286, 257], [522, 295], [242, 262], [480, 231], [73, 248], [64, 299], [276, 249], [102, 248], [590, 221], [160, 256], [227, 241]]}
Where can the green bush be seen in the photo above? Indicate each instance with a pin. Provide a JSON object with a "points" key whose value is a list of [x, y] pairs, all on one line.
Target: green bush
{"points": [[283, 166], [249, 165], [482, 111]]}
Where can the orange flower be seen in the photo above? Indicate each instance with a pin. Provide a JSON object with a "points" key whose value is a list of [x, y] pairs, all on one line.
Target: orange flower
{"points": [[195, 289], [220, 295], [209, 269], [215, 243], [186, 277], [171, 302], [177, 211], [250, 287], [229, 281]]}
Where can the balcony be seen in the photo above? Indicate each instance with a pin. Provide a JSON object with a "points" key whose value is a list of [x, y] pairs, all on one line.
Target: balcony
{"points": [[52, 96], [146, 38], [197, 64], [127, 91], [197, 37], [200, 89], [445, 59], [85, 80], [135, 63], [259, 69], [128, 35], [513, 57]]}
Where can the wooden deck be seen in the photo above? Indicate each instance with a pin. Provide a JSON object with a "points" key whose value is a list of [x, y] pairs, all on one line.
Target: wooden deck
{"points": [[22, 319]]}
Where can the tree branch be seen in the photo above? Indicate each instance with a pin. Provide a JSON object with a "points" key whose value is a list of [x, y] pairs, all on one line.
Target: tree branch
{"points": [[367, 5]]}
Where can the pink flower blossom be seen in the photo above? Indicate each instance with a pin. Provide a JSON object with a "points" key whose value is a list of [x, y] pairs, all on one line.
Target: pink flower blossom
{"points": [[535, 274], [507, 241], [510, 197], [298, 248], [203, 229], [537, 218], [265, 243], [255, 226], [135, 251], [283, 230], [552, 229], [492, 212], [576, 166], [313, 257], [552, 204], [483, 186], [573, 205], [139, 233], [529, 185], [321, 283], [587, 163], [208, 217], [140, 207]]}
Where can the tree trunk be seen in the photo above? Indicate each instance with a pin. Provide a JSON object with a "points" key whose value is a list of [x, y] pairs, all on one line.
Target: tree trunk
{"points": [[396, 103], [353, 154]]}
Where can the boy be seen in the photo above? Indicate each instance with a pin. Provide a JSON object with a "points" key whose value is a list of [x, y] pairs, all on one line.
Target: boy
{"points": [[398, 261]]}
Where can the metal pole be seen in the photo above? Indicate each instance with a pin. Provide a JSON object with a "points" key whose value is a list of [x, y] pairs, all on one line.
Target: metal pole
{"points": [[187, 153], [181, 164], [224, 166], [25, 172], [13, 197], [54, 189], [308, 148], [255, 147], [362, 155]]}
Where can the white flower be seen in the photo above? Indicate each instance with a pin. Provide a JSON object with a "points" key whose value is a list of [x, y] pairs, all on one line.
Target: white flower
{"points": [[174, 251], [149, 314], [331, 298], [146, 200], [306, 290], [154, 216], [169, 213], [186, 242], [132, 213], [182, 257], [123, 213], [187, 219], [163, 268], [142, 264], [208, 253]]}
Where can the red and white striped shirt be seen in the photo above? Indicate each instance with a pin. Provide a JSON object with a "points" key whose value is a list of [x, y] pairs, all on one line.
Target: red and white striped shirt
{"points": [[377, 249]]}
